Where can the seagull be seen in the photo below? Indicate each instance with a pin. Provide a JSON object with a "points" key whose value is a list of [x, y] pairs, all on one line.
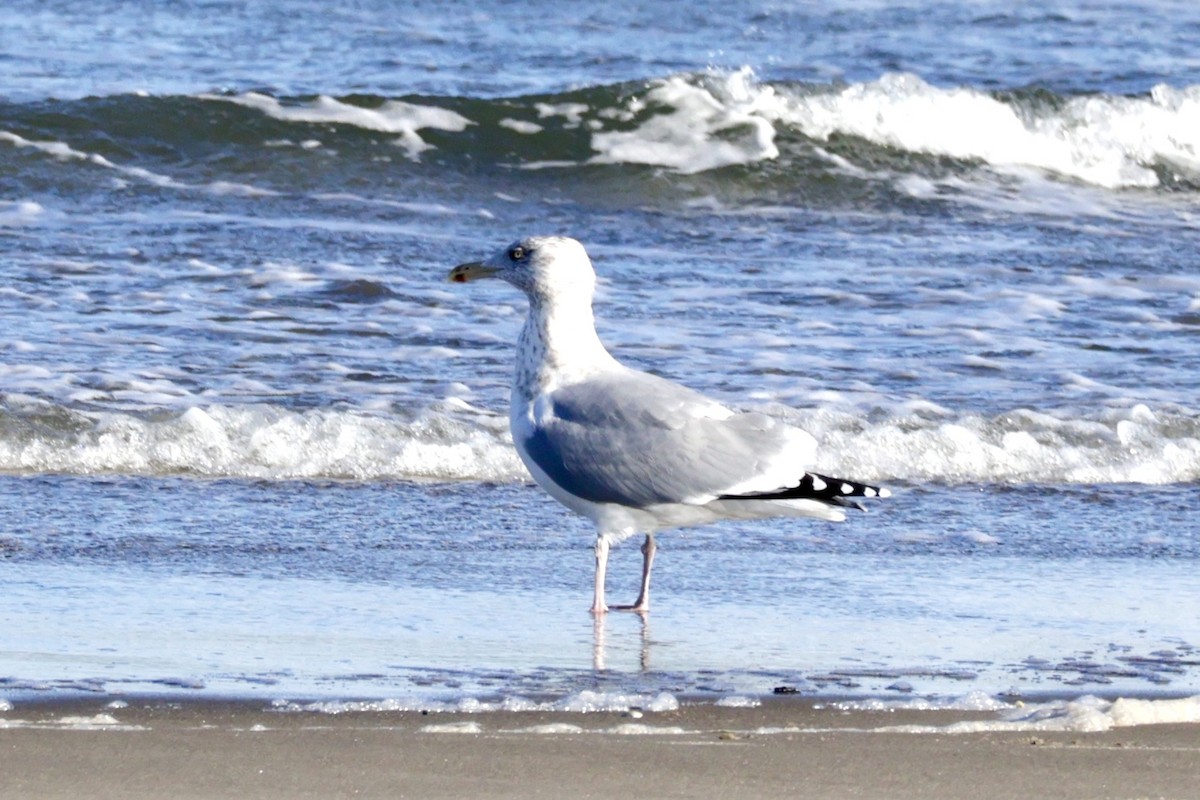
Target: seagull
{"points": [[629, 450]]}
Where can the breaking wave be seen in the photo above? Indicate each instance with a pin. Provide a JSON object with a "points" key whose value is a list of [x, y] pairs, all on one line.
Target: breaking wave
{"points": [[458, 443], [687, 124], [255, 441]]}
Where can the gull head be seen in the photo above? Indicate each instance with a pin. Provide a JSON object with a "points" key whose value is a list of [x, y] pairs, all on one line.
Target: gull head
{"points": [[547, 268]]}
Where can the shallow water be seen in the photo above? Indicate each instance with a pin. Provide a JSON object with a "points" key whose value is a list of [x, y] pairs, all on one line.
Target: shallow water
{"points": [[252, 443], [430, 594]]}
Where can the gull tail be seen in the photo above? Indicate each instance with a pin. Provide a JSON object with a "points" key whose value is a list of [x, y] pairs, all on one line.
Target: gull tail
{"points": [[821, 488]]}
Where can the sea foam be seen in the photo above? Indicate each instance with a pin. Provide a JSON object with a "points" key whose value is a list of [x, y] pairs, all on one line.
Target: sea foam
{"points": [[123, 174], [1134, 445], [254, 441], [404, 120], [586, 701], [1087, 714], [1107, 141], [692, 124], [701, 128], [453, 441], [20, 212]]}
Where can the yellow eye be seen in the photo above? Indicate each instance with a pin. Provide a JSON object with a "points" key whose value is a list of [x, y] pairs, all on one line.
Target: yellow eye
{"points": [[516, 253]]}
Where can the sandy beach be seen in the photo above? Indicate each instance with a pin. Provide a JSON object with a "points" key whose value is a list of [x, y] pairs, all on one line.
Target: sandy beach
{"points": [[786, 748]]}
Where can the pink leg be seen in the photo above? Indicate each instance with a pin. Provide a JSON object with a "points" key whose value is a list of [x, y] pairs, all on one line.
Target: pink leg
{"points": [[648, 550], [602, 547], [642, 604]]}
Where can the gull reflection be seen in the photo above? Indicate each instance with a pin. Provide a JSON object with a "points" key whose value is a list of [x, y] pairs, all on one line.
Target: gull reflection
{"points": [[600, 641]]}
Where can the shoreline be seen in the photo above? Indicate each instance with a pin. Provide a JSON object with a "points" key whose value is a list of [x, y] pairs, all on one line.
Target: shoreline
{"points": [[24, 695], [785, 747]]}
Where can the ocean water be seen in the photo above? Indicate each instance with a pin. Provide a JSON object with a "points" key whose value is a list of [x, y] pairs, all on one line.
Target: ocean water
{"points": [[253, 444]]}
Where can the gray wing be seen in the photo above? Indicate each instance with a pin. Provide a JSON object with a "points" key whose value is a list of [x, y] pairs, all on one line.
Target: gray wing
{"points": [[636, 439]]}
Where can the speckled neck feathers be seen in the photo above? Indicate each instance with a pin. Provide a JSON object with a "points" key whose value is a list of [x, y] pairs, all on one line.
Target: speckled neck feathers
{"points": [[558, 345]]}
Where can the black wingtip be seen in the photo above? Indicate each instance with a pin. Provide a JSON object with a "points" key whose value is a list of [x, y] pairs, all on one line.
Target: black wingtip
{"points": [[823, 489]]}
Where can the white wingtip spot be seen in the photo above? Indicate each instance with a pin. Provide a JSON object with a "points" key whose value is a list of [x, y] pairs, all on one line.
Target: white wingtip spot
{"points": [[818, 484], [885, 492], [869, 492], [847, 489]]}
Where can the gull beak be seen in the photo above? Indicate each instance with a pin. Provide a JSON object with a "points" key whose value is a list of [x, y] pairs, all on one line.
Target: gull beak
{"points": [[471, 271]]}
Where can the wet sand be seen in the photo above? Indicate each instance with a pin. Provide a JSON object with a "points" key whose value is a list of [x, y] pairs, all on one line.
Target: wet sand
{"points": [[243, 749]]}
